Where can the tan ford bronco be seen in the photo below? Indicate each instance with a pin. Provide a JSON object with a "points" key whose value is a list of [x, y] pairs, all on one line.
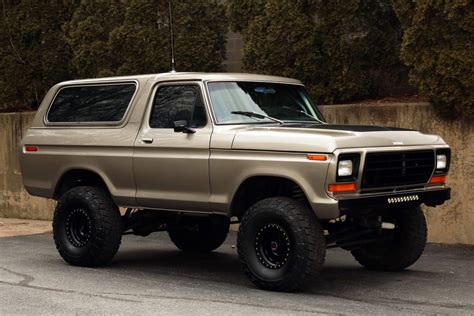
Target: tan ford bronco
{"points": [[190, 153]]}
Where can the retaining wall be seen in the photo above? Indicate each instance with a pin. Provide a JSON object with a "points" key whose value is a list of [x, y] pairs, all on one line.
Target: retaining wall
{"points": [[452, 222]]}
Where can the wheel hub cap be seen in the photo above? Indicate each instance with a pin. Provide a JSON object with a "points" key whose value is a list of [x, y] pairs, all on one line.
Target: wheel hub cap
{"points": [[78, 227], [273, 246]]}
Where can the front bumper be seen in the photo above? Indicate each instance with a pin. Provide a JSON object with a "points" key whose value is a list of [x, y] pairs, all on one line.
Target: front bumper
{"points": [[393, 200]]}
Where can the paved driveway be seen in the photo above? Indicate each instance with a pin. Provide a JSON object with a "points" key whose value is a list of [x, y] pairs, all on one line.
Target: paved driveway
{"points": [[150, 276]]}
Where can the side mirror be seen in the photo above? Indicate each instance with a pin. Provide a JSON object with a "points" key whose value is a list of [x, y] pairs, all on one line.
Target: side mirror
{"points": [[182, 127]]}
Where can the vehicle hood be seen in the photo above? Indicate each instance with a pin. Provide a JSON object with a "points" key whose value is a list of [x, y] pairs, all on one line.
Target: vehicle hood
{"points": [[327, 138]]}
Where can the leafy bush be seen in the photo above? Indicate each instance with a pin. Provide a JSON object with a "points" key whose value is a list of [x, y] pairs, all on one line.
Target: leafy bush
{"points": [[135, 38], [34, 54], [438, 48], [88, 35], [45, 42], [342, 49]]}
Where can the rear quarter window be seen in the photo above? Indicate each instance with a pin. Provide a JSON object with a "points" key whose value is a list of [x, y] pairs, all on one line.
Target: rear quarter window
{"points": [[91, 103]]}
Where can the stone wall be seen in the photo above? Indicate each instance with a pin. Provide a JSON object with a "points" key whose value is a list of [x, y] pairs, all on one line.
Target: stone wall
{"points": [[14, 200], [452, 222]]}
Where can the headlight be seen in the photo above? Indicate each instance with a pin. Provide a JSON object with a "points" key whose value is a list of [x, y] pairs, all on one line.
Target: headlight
{"points": [[347, 167], [441, 161], [344, 168]]}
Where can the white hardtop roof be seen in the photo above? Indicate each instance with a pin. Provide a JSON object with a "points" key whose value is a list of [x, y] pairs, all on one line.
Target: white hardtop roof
{"points": [[170, 76]]}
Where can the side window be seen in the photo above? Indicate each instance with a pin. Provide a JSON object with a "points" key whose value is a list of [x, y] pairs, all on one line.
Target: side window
{"points": [[95, 103], [176, 103]]}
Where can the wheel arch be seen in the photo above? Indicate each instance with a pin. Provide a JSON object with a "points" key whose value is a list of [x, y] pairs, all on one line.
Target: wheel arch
{"points": [[78, 177], [258, 187]]}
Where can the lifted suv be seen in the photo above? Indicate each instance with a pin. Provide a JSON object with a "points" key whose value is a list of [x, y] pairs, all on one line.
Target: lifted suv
{"points": [[188, 152]]}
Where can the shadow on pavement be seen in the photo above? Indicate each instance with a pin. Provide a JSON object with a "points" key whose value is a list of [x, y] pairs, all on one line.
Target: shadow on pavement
{"points": [[338, 274]]}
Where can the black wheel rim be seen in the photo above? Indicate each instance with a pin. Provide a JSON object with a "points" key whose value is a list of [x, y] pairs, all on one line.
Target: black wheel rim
{"points": [[273, 246], [78, 227]]}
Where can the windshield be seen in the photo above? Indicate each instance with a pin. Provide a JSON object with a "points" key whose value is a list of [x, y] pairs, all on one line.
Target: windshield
{"points": [[284, 102]]}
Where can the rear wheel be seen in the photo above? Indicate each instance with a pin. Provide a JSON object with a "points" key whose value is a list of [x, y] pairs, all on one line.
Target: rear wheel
{"points": [[87, 227], [398, 248], [281, 244], [199, 234]]}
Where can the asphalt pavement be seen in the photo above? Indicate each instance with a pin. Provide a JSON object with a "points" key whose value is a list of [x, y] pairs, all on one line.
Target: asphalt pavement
{"points": [[150, 276]]}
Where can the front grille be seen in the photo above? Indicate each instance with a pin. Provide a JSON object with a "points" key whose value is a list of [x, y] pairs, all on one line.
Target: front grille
{"points": [[397, 169]]}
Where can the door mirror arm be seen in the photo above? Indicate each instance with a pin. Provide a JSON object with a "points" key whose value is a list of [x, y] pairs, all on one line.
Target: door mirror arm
{"points": [[181, 127]]}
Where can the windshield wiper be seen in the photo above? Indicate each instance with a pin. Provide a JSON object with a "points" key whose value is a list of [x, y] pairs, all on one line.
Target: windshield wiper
{"points": [[257, 115], [304, 113]]}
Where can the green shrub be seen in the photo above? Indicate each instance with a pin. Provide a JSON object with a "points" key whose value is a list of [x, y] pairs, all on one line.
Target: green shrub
{"points": [[241, 13], [34, 54], [438, 48], [342, 49], [123, 38], [88, 35], [142, 42], [45, 42]]}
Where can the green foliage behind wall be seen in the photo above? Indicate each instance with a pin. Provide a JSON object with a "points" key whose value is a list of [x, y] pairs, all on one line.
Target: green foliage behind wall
{"points": [[200, 29], [45, 42], [88, 35], [438, 46], [34, 53], [342, 49]]}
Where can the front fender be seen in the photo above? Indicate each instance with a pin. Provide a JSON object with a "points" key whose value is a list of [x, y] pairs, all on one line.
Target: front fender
{"points": [[230, 168]]}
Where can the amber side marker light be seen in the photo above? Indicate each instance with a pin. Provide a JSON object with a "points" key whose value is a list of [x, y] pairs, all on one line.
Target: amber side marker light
{"points": [[317, 157], [31, 148], [438, 179], [342, 187]]}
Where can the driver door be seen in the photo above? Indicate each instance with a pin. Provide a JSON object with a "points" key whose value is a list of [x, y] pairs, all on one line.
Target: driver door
{"points": [[172, 168]]}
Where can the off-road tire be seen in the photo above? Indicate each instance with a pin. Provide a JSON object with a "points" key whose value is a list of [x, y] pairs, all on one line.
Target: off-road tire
{"points": [[404, 250], [103, 235], [199, 234], [306, 248]]}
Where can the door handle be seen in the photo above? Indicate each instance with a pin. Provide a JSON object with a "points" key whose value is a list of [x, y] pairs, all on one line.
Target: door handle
{"points": [[147, 140]]}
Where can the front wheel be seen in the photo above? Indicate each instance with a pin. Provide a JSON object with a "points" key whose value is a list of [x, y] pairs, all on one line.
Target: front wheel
{"points": [[398, 248], [87, 227], [281, 244]]}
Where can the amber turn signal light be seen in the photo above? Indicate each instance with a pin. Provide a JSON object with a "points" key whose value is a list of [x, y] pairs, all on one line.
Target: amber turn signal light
{"points": [[317, 157], [438, 179], [342, 187]]}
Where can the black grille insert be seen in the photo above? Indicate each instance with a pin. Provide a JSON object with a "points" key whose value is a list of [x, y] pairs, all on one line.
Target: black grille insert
{"points": [[394, 169]]}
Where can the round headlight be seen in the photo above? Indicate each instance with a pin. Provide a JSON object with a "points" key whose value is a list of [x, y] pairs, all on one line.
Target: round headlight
{"points": [[441, 161], [344, 168]]}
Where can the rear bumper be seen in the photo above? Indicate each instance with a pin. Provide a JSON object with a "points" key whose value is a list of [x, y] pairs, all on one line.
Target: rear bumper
{"points": [[397, 200]]}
